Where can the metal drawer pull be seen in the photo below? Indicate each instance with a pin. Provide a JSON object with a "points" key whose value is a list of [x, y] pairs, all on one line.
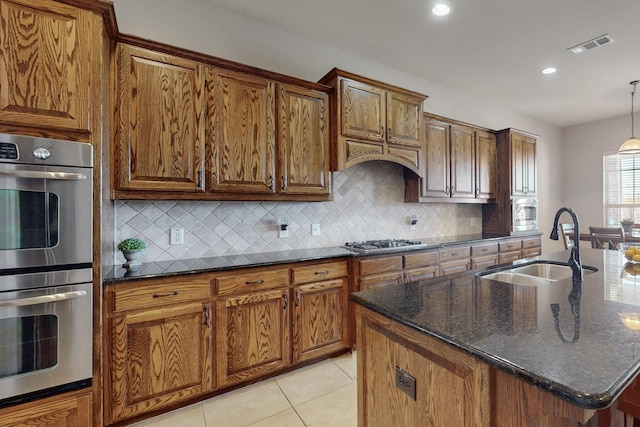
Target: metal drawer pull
{"points": [[254, 282], [170, 294], [206, 316], [322, 272], [286, 301], [45, 175], [43, 299]]}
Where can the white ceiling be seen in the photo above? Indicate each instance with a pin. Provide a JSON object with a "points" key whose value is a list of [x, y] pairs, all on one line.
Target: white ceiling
{"points": [[494, 49]]}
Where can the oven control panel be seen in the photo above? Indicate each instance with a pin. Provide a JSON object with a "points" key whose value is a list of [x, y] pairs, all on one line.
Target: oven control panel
{"points": [[8, 151]]}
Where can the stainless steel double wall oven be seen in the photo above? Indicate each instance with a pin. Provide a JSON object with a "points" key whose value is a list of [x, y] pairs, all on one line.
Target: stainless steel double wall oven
{"points": [[45, 267]]}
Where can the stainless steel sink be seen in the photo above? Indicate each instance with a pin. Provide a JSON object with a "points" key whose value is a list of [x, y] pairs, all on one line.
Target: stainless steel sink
{"points": [[535, 274]]}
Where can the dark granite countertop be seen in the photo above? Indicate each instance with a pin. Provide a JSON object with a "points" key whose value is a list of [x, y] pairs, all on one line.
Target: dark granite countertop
{"points": [[229, 262], [512, 327]]}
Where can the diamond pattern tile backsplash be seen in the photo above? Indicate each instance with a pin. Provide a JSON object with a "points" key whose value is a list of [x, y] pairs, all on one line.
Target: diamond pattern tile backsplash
{"points": [[367, 204]]}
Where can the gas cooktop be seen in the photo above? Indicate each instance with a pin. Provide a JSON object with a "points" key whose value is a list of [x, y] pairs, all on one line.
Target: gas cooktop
{"points": [[384, 245]]}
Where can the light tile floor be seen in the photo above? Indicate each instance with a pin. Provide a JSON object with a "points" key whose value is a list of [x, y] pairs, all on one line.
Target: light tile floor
{"points": [[322, 394]]}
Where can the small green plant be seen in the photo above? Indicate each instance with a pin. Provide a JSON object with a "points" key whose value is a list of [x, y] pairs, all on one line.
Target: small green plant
{"points": [[131, 244], [626, 221]]}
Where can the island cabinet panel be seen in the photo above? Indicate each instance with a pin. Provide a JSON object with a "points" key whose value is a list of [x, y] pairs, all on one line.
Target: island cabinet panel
{"points": [[303, 140], [241, 132], [159, 122], [159, 345], [67, 410], [47, 77], [451, 388]]}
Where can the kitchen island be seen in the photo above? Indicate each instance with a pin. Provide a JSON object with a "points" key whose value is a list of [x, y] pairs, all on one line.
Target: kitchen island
{"points": [[462, 350]]}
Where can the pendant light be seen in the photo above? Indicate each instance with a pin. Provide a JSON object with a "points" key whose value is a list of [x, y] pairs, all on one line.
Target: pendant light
{"points": [[631, 145]]}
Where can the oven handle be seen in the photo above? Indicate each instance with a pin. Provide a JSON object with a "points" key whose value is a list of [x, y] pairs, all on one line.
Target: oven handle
{"points": [[67, 176], [43, 299]]}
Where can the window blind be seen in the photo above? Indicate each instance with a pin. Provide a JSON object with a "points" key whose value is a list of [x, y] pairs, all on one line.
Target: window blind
{"points": [[621, 182]]}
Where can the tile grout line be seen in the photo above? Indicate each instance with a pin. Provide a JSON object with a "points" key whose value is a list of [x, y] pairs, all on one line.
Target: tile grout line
{"points": [[290, 403]]}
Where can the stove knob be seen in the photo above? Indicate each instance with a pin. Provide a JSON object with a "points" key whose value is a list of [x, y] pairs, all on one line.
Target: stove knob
{"points": [[41, 153]]}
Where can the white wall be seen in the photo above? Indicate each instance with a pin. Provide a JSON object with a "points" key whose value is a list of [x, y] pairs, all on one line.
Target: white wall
{"points": [[583, 148], [205, 28]]}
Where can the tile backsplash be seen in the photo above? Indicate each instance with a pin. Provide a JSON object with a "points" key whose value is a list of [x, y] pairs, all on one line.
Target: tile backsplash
{"points": [[367, 204]]}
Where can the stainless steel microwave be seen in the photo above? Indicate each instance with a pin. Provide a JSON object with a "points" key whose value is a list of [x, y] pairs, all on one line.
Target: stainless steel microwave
{"points": [[524, 214]]}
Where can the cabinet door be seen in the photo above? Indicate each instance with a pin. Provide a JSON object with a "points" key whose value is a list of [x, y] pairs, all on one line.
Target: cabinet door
{"points": [[319, 319], [240, 133], [486, 165], [65, 410], [160, 132], [518, 165], [159, 357], [303, 140], [463, 174], [363, 111], [436, 182], [404, 116], [530, 166], [252, 335], [46, 73]]}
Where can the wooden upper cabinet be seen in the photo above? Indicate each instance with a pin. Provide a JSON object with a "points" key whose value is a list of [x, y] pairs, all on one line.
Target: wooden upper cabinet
{"points": [[47, 74], [303, 141], [463, 179], [374, 121], [523, 164], [241, 132], [404, 119], [436, 181], [486, 165], [461, 164], [363, 110], [159, 122]]}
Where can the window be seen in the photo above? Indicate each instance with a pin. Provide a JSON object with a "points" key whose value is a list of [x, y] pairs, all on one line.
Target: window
{"points": [[621, 190]]}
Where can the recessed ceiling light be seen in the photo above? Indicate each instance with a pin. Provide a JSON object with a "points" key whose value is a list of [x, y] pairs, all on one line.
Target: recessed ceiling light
{"points": [[441, 9], [549, 70]]}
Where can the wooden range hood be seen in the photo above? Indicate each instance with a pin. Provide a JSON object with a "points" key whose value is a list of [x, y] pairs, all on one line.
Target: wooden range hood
{"points": [[371, 120]]}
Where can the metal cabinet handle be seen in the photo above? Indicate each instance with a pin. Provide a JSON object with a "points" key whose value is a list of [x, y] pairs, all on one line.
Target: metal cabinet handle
{"points": [[206, 316], [389, 135], [446, 190], [199, 173], [453, 190], [270, 182], [286, 300], [298, 298], [254, 282], [43, 299], [65, 176], [170, 294], [284, 183], [322, 272], [384, 136]]}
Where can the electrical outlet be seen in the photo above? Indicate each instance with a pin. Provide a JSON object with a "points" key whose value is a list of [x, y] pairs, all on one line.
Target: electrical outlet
{"points": [[413, 221], [315, 229], [406, 383], [177, 236], [283, 224]]}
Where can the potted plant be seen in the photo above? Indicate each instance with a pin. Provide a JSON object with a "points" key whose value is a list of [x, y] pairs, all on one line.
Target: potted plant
{"points": [[627, 224], [131, 249]]}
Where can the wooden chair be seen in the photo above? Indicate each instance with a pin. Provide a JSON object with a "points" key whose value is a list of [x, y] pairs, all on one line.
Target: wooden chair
{"points": [[606, 237], [567, 235]]}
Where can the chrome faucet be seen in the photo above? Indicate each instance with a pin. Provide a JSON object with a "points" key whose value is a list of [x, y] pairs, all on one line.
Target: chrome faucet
{"points": [[574, 259]]}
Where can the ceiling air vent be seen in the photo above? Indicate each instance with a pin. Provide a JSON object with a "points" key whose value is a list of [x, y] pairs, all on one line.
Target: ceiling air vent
{"points": [[590, 44]]}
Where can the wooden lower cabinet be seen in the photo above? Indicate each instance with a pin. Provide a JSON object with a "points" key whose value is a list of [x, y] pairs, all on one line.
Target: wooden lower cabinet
{"points": [[66, 410], [252, 335], [159, 346]]}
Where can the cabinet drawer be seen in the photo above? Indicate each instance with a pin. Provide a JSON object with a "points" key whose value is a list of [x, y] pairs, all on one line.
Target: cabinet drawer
{"points": [[147, 294], [531, 252], [249, 281], [533, 242], [510, 245], [509, 256], [378, 281], [422, 259], [317, 272], [484, 249], [484, 261], [380, 265], [454, 267], [454, 252], [422, 273]]}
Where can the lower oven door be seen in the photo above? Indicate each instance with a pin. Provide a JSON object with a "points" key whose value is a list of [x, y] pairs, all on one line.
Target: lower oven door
{"points": [[45, 339]]}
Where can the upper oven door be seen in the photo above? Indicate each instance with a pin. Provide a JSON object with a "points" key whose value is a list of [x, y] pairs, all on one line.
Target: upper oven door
{"points": [[45, 215]]}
